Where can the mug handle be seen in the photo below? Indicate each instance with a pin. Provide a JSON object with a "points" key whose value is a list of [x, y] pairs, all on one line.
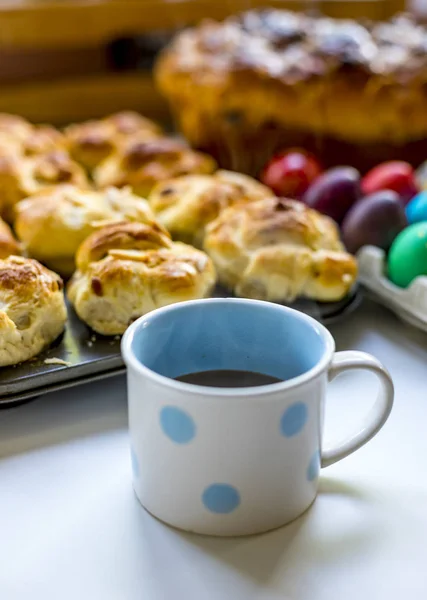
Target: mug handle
{"points": [[344, 361]]}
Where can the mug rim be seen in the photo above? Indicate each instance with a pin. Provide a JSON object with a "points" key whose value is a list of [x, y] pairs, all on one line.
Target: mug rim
{"points": [[271, 388]]}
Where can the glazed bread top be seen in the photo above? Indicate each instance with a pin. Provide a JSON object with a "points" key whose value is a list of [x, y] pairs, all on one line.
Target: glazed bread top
{"points": [[278, 249], [92, 141], [54, 222], [26, 280], [141, 164], [128, 269], [186, 204], [293, 47], [32, 309], [22, 176], [121, 237], [18, 136], [15, 126]]}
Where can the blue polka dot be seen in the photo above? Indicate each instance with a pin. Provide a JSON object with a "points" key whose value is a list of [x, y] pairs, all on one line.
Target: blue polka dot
{"points": [[293, 419], [177, 424], [135, 463], [221, 498], [313, 468]]}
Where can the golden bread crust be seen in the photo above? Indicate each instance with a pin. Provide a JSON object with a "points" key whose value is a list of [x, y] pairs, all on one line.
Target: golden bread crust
{"points": [[32, 309], [21, 177], [18, 136], [128, 269], [9, 144], [8, 244], [278, 249], [54, 222], [15, 126], [261, 80], [185, 205], [92, 142], [43, 139], [142, 163]]}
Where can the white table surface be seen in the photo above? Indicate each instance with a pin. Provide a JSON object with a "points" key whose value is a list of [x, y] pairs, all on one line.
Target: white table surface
{"points": [[71, 527]]}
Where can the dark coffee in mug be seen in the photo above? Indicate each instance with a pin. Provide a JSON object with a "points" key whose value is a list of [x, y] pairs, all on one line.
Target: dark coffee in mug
{"points": [[228, 378], [244, 458]]}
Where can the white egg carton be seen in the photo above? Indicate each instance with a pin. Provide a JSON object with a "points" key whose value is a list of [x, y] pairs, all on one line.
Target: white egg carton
{"points": [[410, 304]]}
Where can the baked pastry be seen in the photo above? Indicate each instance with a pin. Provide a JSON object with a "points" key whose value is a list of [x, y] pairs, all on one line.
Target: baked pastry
{"points": [[186, 204], [54, 222], [128, 269], [15, 126], [9, 144], [23, 176], [8, 244], [141, 164], [43, 139], [278, 249], [32, 309], [92, 142], [270, 79], [21, 137]]}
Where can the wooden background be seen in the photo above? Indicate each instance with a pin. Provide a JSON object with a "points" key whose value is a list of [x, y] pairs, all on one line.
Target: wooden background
{"points": [[56, 55]]}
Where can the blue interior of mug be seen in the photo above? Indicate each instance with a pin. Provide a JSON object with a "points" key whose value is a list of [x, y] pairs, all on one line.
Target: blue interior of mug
{"points": [[228, 334]]}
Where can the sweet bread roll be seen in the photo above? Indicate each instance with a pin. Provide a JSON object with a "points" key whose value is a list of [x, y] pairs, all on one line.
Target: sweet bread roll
{"points": [[9, 145], [271, 79], [54, 222], [128, 122], [185, 205], [43, 139], [141, 164], [128, 269], [14, 131], [23, 176], [19, 136], [15, 126], [278, 249], [92, 142], [32, 309], [8, 244]]}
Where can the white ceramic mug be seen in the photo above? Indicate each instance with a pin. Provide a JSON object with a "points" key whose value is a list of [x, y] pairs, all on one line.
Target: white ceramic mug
{"points": [[235, 461]]}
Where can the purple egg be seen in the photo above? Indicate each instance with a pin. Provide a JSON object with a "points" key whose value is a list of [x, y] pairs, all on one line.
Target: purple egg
{"points": [[374, 220], [334, 192]]}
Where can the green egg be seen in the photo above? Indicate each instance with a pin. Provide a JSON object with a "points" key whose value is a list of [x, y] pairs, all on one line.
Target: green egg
{"points": [[407, 258]]}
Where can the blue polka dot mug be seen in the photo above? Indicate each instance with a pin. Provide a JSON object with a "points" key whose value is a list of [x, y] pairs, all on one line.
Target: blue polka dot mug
{"points": [[235, 461]]}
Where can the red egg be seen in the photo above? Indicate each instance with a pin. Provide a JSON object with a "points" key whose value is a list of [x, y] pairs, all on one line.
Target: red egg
{"points": [[290, 173], [395, 175]]}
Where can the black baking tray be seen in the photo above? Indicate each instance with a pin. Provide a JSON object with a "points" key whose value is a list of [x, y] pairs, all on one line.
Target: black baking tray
{"points": [[91, 357]]}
